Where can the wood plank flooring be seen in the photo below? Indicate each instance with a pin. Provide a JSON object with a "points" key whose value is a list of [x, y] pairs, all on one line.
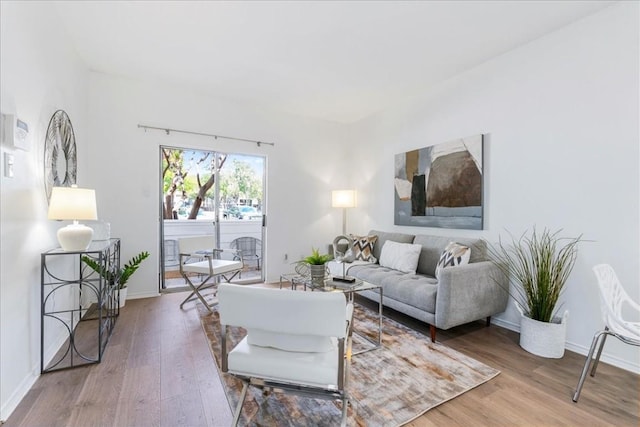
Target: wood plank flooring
{"points": [[158, 371]]}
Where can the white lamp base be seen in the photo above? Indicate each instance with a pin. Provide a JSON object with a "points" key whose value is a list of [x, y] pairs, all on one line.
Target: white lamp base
{"points": [[75, 237]]}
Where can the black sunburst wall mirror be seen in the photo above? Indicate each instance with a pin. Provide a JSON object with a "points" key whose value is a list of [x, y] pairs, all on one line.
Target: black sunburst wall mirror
{"points": [[60, 161]]}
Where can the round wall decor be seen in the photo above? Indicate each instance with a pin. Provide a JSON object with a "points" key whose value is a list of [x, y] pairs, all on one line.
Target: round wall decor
{"points": [[60, 160]]}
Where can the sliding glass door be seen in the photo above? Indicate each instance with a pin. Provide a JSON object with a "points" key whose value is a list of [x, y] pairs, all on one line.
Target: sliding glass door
{"points": [[208, 192]]}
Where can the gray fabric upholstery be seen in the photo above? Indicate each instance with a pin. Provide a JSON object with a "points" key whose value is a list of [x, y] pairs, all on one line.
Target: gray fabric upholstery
{"points": [[432, 247], [416, 313], [417, 291], [383, 236], [468, 293], [463, 294]]}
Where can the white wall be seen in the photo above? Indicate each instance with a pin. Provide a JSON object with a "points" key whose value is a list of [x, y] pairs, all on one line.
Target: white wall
{"points": [[39, 74], [302, 167], [562, 118]]}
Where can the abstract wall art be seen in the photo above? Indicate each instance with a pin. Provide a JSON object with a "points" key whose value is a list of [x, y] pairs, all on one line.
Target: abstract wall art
{"points": [[441, 185]]}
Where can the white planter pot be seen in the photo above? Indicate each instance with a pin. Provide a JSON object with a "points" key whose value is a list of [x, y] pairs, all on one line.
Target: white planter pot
{"points": [[123, 297], [318, 274], [545, 339]]}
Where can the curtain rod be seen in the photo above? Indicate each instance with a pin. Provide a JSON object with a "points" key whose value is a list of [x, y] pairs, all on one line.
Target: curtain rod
{"points": [[169, 130]]}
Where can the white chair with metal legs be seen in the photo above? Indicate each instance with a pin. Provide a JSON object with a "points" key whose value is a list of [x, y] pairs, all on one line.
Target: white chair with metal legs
{"points": [[198, 256], [298, 342], [613, 299]]}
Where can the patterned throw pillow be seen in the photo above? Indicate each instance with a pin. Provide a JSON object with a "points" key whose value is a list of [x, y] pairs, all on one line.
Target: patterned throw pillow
{"points": [[363, 247], [453, 255]]}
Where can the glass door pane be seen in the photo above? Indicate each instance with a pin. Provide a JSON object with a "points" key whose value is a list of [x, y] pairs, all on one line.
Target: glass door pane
{"points": [[206, 192], [242, 207]]}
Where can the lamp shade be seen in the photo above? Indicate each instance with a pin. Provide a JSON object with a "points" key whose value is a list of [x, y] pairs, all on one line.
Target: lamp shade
{"points": [[343, 198], [72, 203]]}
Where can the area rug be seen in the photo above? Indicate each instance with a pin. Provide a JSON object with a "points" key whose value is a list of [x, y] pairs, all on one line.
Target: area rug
{"points": [[389, 386]]}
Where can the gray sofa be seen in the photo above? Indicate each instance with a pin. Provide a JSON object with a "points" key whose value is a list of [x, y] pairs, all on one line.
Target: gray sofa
{"points": [[462, 294]]}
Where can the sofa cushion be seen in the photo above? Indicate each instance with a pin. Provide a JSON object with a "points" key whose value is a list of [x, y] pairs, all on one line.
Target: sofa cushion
{"points": [[432, 247], [411, 289], [363, 247], [400, 256], [453, 255], [383, 236]]}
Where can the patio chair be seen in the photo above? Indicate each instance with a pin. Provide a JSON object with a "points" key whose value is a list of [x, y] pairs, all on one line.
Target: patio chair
{"points": [[613, 298], [199, 256], [249, 248], [297, 342]]}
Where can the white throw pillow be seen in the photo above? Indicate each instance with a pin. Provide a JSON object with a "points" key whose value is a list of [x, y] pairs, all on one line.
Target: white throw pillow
{"points": [[453, 255], [400, 256]]}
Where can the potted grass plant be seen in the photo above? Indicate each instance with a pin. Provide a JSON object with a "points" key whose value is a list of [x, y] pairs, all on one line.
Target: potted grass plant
{"points": [[316, 262], [539, 265], [121, 277]]}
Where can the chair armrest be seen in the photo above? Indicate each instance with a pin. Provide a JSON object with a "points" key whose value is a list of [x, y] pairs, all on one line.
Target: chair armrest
{"points": [[236, 252], [205, 254], [344, 349], [223, 348], [349, 317], [209, 253], [470, 292]]}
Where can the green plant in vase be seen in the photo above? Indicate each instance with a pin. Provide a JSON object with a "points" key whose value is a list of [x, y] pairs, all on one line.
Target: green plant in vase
{"points": [[316, 258], [539, 266], [316, 265], [122, 276]]}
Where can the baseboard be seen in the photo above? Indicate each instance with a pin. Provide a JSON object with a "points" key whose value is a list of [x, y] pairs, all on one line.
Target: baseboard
{"points": [[580, 349], [505, 324], [609, 360], [142, 295], [16, 397]]}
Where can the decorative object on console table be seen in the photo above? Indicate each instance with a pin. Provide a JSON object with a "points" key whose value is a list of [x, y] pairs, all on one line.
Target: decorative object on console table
{"points": [[73, 203], [344, 199], [120, 276], [343, 257], [540, 265], [441, 185], [317, 266]]}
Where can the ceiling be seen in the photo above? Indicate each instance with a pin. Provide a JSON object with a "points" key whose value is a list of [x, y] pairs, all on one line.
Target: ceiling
{"points": [[335, 60]]}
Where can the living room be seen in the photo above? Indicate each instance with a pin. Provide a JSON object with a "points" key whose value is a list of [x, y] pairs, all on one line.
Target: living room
{"points": [[559, 113]]}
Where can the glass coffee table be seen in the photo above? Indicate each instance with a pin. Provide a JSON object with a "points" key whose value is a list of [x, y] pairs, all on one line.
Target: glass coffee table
{"points": [[350, 289]]}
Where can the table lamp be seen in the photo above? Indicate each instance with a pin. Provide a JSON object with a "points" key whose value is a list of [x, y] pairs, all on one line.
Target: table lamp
{"points": [[343, 199], [73, 203]]}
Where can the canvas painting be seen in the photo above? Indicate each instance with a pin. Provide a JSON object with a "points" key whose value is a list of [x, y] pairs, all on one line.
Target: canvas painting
{"points": [[441, 186]]}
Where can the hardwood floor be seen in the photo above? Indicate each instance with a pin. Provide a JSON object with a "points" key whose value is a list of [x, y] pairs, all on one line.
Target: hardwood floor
{"points": [[158, 371]]}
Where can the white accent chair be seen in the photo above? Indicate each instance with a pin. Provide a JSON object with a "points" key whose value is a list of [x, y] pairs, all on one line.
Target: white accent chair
{"points": [[297, 342], [199, 256], [613, 298]]}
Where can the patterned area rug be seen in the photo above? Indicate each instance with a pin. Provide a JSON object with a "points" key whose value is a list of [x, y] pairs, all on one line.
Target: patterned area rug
{"points": [[389, 386]]}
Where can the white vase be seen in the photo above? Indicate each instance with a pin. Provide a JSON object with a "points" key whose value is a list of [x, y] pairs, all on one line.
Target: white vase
{"points": [[545, 339], [123, 296]]}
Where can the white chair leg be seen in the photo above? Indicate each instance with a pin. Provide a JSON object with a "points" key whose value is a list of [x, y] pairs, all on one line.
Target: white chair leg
{"points": [[587, 362], [243, 394]]}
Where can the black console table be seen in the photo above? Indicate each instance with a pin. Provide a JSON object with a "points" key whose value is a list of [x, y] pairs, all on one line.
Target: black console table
{"points": [[78, 305]]}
